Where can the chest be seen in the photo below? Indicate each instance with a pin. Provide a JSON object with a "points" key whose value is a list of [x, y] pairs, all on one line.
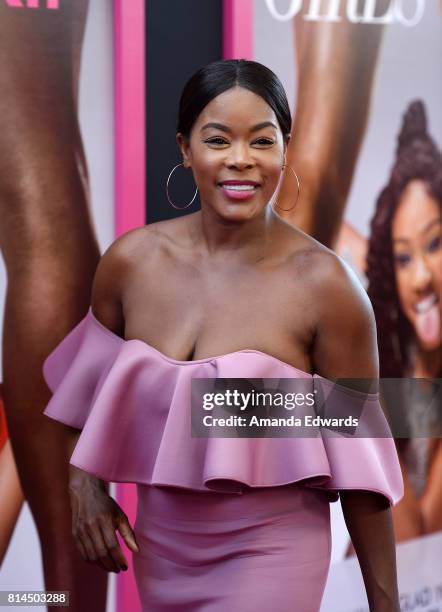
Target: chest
{"points": [[188, 313]]}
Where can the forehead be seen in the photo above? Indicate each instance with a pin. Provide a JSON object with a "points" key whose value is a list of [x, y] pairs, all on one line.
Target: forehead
{"points": [[415, 209], [237, 106]]}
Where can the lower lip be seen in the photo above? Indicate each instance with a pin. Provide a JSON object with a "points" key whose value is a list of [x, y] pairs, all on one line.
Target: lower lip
{"points": [[239, 195]]}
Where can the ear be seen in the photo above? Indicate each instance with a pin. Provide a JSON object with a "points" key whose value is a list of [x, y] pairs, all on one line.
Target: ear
{"points": [[184, 146]]}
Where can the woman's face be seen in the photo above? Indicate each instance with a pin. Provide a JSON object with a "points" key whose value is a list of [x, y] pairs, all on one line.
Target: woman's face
{"points": [[236, 152], [417, 250]]}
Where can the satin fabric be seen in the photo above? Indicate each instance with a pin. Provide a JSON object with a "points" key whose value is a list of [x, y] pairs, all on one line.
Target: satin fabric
{"points": [[248, 516], [268, 549]]}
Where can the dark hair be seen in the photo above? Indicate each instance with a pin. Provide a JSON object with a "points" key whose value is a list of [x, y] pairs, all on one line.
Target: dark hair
{"points": [[417, 157], [217, 77]]}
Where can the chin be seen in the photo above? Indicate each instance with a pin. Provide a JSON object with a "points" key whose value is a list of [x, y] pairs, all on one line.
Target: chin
{"points": [[239, 212], [427, 345], [238, 216]]}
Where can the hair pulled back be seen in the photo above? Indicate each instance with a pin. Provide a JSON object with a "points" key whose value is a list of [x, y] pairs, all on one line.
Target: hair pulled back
{"points": [[217, 77]]}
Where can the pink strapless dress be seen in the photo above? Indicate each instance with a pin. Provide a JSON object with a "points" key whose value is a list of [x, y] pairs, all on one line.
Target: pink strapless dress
{"points": [[248, 517]]}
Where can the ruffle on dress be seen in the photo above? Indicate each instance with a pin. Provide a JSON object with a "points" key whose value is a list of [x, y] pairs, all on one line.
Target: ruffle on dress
{"points": [[132, 404]]}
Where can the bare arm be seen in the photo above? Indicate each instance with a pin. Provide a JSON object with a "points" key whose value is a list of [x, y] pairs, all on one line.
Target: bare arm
{"points": [[408, 518], [369, 522], [346, 347], [95, 515]]}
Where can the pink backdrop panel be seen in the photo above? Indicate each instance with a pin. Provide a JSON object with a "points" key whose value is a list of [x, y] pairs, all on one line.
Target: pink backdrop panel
{"points": [[238, 29], [130, 189], [129, 69]]}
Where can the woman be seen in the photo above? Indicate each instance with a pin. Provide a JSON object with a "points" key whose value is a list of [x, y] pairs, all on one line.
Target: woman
{"points": [[404, 270], [236, 281]]}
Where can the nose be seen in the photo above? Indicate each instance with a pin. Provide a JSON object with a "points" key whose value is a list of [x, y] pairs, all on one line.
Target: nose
{"points": [[422, 275], [239, 156]]}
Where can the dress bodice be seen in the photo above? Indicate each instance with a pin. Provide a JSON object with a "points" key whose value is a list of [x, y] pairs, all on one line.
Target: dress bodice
{"points": [[132, 404]]}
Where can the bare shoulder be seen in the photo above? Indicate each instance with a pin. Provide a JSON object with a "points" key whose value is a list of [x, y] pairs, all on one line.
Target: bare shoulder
{"points": [[131, 248], [122, 254], [137, 250], [340, 293], [114, 272], [345, 342], [346, 338], [310, 260], [330, 278]]}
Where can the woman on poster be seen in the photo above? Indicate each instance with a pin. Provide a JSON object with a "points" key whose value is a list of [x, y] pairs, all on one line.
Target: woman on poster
{"points": [[404, 273]]}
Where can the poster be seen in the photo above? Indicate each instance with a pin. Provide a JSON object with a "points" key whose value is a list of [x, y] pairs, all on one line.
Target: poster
{"points": [[362, 81]]}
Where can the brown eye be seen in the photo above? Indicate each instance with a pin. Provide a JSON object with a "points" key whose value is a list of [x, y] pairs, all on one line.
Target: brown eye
{"points": [[402, 259], [217, 140], [264, 141], [434, 244]]}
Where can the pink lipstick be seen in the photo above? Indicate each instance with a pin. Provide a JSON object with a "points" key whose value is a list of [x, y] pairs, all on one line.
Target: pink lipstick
{"points": [[239, 190]]}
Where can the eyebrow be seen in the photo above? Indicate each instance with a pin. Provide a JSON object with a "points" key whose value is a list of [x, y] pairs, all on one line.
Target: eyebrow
{"points": [[224, 128], [422, 231]]}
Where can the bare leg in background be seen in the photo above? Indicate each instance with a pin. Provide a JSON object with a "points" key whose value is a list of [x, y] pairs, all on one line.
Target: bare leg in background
{"points": [[336, 67], [50, 251]]}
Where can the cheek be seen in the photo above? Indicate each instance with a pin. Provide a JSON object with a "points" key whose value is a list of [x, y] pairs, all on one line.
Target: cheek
{"points": [[206, 168], [437, 271], [276, 168], [437, 257], [403, 288], [272, 172]]}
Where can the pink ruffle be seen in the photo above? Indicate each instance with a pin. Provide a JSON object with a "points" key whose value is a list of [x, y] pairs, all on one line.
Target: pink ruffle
{"points": [[133, 406]]}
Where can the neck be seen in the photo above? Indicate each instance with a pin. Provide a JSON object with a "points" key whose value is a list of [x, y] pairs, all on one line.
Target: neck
{"points": [[217, 235]]}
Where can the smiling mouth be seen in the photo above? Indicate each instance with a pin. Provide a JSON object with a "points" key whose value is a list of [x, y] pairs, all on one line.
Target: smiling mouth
{"points": [[426, 303], [239, 187], [238, 184]]}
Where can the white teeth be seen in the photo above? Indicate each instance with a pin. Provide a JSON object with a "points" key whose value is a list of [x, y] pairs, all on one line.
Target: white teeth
{"points": [[239, 187], [426, 304]]}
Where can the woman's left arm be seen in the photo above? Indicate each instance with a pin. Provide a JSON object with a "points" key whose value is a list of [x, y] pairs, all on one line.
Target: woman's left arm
{"points": [[345, 346], [369, 523]]}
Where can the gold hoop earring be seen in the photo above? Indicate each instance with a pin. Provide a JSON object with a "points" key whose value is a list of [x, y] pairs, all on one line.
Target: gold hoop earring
{"points": [[167, 191], [298, 185]]}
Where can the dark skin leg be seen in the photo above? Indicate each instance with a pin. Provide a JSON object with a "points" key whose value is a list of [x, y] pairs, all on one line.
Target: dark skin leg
{"points": [[50, 251], [337, 64]]}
